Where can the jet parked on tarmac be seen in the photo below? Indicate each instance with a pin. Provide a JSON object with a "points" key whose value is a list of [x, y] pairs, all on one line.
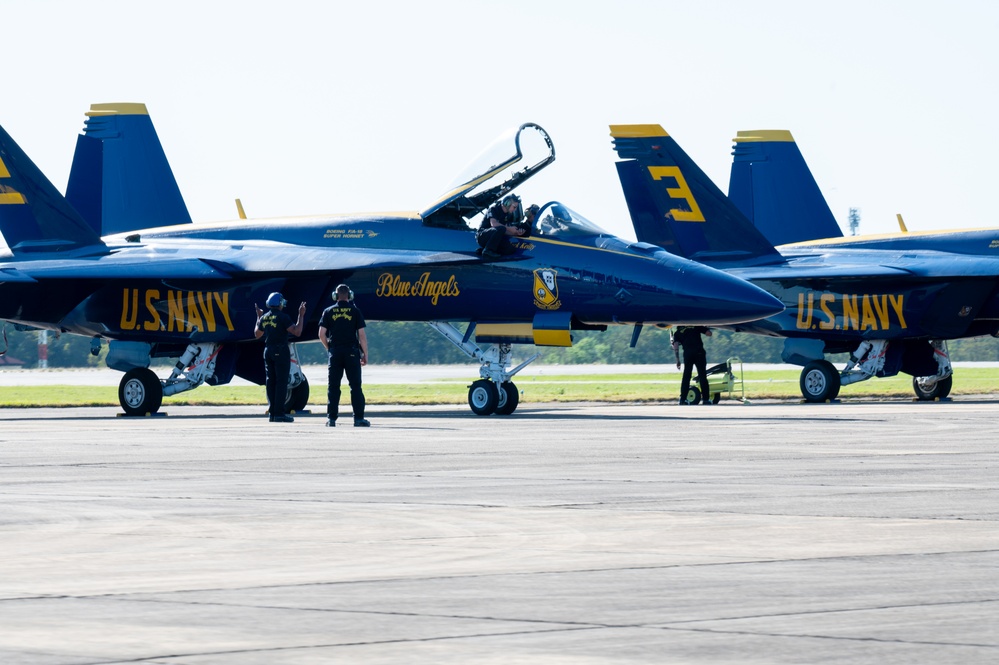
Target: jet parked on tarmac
{"points": [[117, 259], [889, 301]]}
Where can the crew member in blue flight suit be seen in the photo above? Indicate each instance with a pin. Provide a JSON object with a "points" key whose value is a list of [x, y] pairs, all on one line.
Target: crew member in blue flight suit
{"points": [[341, 331], [501, 221], [275, 327], [689, 337]]}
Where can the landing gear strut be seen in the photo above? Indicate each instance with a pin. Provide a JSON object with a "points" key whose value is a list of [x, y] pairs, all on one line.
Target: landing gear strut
{"points": [[494, 392], [141, 393], [820, 382], [298, 385], [930, 388]]}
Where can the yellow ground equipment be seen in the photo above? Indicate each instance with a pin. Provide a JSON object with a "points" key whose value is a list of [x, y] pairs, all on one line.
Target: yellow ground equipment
{"points": [[721, 379]]}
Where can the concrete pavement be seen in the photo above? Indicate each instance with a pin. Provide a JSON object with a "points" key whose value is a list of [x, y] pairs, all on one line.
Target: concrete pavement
{"points": [[776, 533]]}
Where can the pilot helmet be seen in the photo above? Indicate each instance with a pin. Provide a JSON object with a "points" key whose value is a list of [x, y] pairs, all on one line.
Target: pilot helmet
{"points": [[561, 214], [276, 300]]}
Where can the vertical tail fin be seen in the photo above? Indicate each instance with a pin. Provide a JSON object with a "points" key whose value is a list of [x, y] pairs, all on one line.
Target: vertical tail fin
{"points": [[673, 203], [34, 216], [772, 185], [121, 180]]}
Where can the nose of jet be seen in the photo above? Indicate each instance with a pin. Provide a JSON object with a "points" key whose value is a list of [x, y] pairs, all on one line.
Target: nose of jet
{"points": [[715, 297]]}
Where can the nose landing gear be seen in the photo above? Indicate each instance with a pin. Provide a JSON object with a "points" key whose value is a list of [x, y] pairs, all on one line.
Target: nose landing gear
{"points": [[494, 393]]}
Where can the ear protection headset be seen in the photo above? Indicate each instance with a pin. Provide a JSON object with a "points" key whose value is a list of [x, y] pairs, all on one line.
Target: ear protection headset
{"points": [[343, 287]]}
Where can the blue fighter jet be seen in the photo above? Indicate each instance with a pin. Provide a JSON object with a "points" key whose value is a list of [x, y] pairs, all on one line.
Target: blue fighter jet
{"points": [[891, 302], [118, 260]]}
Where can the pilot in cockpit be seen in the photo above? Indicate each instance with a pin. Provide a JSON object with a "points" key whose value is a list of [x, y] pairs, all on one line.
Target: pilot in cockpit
{"points": [[557, 221]]}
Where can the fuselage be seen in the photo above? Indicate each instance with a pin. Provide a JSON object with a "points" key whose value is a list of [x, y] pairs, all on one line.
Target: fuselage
{"points": [[400, 269], [931, 286]]}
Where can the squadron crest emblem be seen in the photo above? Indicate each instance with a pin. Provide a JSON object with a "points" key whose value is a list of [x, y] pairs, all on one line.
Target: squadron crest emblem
{"points": [[546, 289]]}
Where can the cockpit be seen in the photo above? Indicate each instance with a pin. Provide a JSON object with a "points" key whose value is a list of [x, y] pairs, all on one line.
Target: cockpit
{"points": [[556, 220]]}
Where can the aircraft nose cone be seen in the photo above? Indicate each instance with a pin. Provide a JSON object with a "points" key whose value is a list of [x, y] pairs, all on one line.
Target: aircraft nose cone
{"points": [[722, 298]]}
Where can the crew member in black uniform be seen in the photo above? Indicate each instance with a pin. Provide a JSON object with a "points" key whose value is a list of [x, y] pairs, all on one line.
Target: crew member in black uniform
{"points": [[501, 221], [689, 337], [275, 326], [341, 331]]}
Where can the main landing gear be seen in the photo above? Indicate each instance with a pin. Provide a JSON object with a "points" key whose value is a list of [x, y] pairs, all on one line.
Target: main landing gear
{"points": [[494, 393], [820, 382], [141, 393]]}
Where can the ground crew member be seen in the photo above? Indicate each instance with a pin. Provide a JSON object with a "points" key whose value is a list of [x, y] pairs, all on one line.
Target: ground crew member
{"points": [[341, 331], [501, 221], [275, 326], [689, 337]]}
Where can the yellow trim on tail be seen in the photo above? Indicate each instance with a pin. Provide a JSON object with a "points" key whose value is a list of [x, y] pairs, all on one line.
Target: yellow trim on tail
{"points": [[637, 131], [764, 135], [117, 108]]}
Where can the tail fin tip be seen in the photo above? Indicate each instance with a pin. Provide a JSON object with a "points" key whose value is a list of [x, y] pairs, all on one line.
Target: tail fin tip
{"points": [[117, 108], [637, 131]]}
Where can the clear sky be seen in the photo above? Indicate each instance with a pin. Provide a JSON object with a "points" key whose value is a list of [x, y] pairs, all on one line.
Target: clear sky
{"points": [[322, 106]]}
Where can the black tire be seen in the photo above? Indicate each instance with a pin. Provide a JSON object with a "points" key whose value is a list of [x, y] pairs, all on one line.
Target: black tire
{"points": [[819, 381], [140, 392], [940, 389], [716, 398], [509, 398], [483, 396], [693, 395], [298, 397]]}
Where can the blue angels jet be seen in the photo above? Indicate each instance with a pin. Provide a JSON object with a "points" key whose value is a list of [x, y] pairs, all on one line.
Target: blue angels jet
{"points": [[891, 302], [118, 259]]}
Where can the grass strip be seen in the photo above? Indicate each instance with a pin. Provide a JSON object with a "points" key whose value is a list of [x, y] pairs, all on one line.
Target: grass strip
{"points": [[643, 387]]}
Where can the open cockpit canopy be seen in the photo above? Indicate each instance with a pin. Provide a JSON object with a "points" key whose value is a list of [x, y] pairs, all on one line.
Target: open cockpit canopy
{"points": [[469, 194]]}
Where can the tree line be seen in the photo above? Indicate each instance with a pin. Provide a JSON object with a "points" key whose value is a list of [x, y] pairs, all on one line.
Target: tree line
{"points": [[417, 343]]}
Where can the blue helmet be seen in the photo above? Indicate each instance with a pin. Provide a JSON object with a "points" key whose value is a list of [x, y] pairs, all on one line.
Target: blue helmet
{"points": [[276, 300]]}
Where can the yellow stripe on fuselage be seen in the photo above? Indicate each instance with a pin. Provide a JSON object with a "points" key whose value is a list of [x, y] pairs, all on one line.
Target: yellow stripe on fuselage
{"points": [[599, 249]]}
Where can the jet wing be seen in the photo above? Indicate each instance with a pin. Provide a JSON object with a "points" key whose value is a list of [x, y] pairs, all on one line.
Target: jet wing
{"points": [[311, 259], [106, 267], [792, 270], [873, 264], [264, 258]]}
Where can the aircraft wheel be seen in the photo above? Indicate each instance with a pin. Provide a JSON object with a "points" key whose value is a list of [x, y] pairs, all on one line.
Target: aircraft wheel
{"points": [[693, 395], [298, 397], [716, 398], [140, 392], [483, 397], [509, 398], [939, 390], [819, 381]]}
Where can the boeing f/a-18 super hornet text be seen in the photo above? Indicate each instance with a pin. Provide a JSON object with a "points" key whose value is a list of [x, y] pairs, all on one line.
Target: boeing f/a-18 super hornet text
{"points": [[890, 301], [118, 259]]}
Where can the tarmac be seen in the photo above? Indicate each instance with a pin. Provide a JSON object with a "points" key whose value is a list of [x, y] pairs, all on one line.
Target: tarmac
{"points": [[858, 532]]}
